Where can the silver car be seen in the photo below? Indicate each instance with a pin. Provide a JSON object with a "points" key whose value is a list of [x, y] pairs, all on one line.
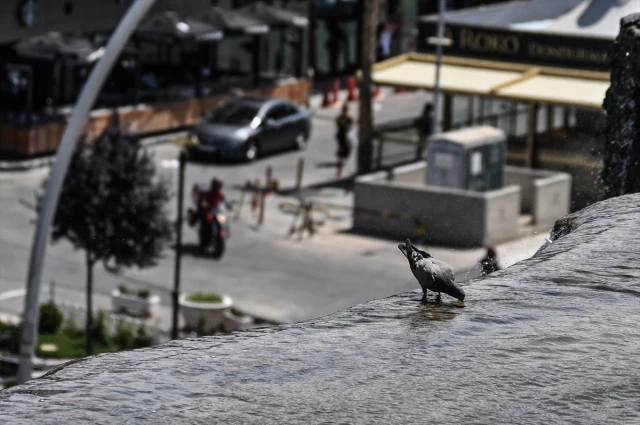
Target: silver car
{"points": [[249, 127]]}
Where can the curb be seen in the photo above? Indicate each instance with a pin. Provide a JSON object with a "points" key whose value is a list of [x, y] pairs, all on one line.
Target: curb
{"points": [[26, 164]]}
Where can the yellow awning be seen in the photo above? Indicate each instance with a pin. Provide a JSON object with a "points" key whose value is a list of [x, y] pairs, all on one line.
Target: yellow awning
{"points": [[559, 90], [496, 79]]}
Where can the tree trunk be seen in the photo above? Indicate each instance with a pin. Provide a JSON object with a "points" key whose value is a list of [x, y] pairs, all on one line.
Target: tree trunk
{"points": [[365, 124], [89, 324]]}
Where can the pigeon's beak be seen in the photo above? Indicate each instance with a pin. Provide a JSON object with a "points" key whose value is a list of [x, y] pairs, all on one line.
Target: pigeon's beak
{"points": [[403, 249]]}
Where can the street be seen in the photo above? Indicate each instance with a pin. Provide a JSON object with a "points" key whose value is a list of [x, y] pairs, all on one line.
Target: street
{"points": [[267, 274]]}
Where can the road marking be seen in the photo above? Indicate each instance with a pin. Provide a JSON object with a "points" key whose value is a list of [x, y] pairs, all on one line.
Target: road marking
{"points": [[12, 294]]}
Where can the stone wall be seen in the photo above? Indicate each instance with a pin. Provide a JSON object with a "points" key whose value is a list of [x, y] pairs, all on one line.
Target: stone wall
{"points": [[549, 340], [621, 172]]}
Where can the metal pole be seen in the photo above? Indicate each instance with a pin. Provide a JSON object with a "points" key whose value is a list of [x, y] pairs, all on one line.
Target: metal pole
{"points": [[299, 173], [70, 138], [436, 86], [176, 270], [365, 119]]}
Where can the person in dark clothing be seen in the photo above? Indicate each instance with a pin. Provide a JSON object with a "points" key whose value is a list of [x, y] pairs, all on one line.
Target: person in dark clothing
{"points": [[425, 127], [344, 135], [384, 33], [214, 197], [489, 263], [335, 44]]}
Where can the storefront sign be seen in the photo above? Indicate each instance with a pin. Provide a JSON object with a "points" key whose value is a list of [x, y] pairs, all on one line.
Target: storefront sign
{"points": [[529, 47]]}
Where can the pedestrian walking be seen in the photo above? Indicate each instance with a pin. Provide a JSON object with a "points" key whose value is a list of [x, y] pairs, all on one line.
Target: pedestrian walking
{"points": [[424, 125], [345, 135]]}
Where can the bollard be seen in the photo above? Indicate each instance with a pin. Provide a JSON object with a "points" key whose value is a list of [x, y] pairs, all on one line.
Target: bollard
{"points": [[254, 198], [339, 170], [299, 173], [377, 93], [336, 91], [352, 94], [261, 215], [326, 96], [268, 183]]}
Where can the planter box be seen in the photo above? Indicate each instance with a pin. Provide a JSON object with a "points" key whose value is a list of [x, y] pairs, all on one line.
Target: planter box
{"points": [[212, 313], [234, 323], [134, 305]]}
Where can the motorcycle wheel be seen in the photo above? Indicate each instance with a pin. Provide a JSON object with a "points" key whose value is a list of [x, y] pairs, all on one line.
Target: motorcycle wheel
{"points": [[218, 249]]}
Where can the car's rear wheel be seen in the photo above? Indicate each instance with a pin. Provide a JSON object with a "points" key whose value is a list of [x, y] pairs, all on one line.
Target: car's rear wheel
{"points": [[301, 141], [251, 150]]}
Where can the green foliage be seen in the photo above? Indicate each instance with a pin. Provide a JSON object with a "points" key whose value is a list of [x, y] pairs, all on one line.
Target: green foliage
{"points": [[200, 297], [100, 334], [142, 339], [70, 345], [10, 337], [73, 332], [50, 318], [142, 293], [237, 312], [111, 204], [124, 290], [124, 336]]}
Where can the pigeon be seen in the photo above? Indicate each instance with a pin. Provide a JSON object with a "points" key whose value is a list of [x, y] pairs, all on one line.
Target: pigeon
{"points": [[433, 275]]}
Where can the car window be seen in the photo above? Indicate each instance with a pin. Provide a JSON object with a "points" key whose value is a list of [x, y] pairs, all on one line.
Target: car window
{"points": [[233, 113], [291, 110], [277, 112]]}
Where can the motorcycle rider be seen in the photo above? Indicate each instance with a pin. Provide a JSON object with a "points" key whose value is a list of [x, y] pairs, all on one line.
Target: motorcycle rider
{"points": [[213, 198]]}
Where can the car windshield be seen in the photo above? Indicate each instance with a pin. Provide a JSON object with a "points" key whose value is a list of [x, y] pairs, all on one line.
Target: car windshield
{"points": [[234, 114]]}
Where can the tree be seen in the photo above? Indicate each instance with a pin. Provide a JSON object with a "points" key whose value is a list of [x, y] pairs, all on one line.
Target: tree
{"points": [[112, 207]]}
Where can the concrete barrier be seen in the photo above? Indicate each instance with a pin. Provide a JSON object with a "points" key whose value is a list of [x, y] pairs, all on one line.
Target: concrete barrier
{"points": [[546, 195], [397, 204], [386, 205]]}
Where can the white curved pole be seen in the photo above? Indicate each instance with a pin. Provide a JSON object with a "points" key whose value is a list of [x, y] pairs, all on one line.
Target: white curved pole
{"points": [[70, 138]]}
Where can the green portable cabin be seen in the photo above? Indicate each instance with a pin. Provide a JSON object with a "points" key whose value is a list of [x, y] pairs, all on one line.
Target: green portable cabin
{"points": [[471, 158]]}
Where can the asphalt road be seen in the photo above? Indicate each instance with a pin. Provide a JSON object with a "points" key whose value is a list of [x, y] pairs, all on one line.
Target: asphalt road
{"points": [[265, 272]]}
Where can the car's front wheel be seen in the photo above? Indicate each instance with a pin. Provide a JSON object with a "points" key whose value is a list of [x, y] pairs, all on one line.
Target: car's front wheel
{"points": [[251, 150], [301, 141]]}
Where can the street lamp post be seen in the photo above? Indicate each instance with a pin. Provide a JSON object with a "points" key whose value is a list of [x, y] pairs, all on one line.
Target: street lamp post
{"points": [[439, 41], [436, 87], [176, 276], [70, 139]]}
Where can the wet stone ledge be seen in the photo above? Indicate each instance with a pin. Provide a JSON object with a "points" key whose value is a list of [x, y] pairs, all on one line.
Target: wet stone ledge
{"points": [[553, 339]]}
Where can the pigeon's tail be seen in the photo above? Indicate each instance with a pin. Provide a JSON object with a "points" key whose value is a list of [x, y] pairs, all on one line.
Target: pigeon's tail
{"points": [[454, 290]]}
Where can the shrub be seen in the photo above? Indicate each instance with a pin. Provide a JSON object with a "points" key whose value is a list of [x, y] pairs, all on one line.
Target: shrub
{"points": [[124, 336], [200, 297], [237, 312], [50, 318], [10, 337], [124, 290], [142, 339], [99, 332], [144, 293]]}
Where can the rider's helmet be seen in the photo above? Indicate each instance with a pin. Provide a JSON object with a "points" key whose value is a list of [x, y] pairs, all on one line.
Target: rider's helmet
{"points": [[216, 184]]}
